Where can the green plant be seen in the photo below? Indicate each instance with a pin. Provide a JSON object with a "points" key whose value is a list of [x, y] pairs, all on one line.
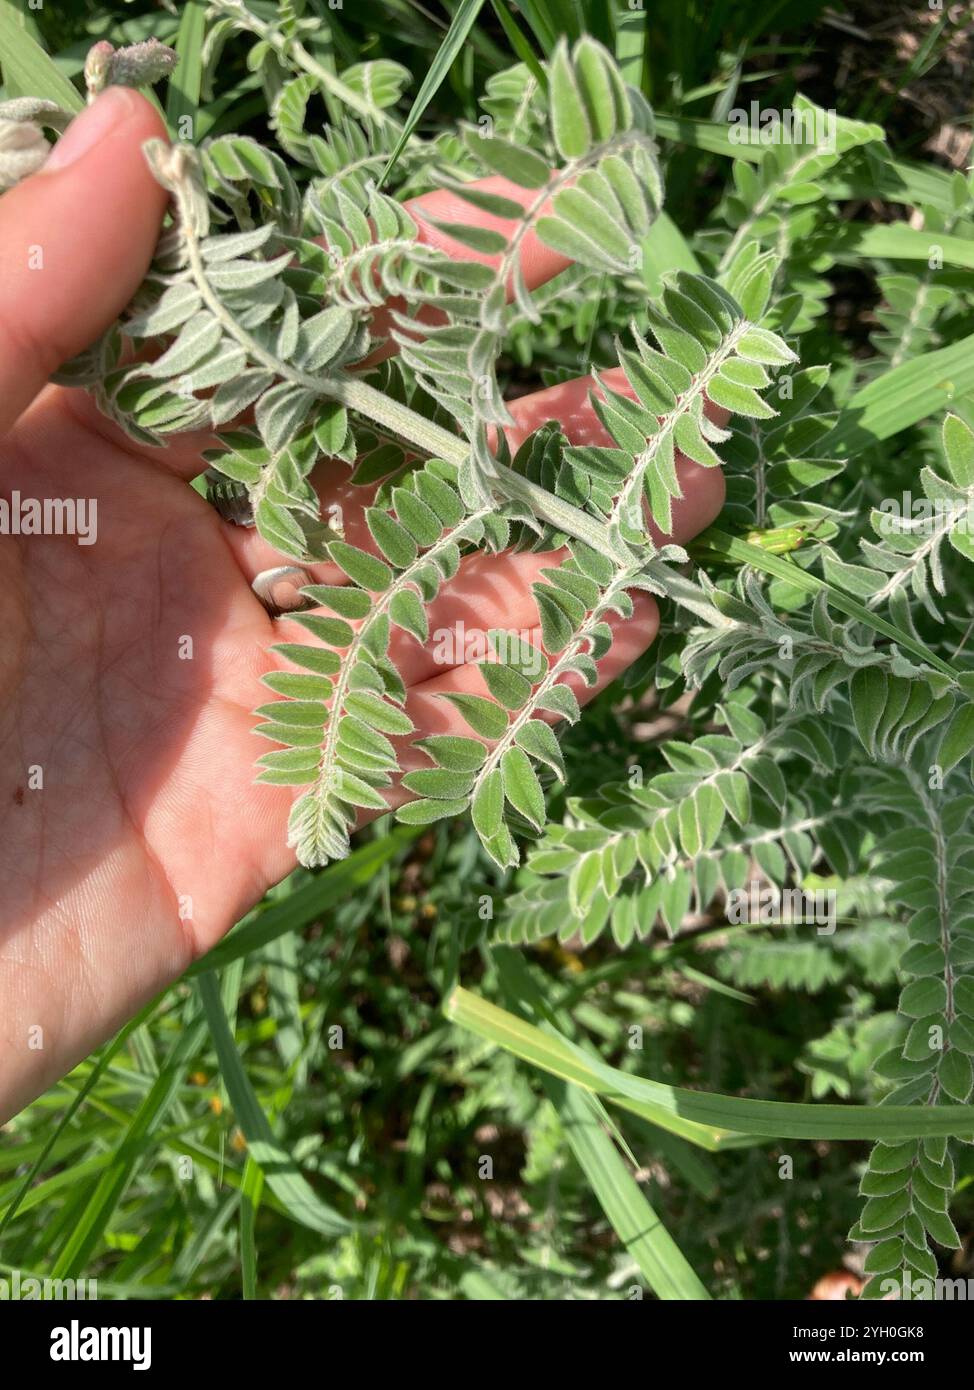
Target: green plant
{"points": [[262, 299]]}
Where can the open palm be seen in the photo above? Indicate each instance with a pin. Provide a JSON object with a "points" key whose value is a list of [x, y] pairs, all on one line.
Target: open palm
{"points": [[133, 835]]}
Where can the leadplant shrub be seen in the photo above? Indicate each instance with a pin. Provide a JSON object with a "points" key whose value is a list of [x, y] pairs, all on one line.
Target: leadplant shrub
{"points": [[831, 728]]}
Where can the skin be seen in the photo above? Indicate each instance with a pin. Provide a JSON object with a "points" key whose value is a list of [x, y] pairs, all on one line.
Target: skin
{"points": [[147, 758]]}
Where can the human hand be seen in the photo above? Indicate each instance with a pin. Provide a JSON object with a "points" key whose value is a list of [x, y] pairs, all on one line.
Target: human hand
{"points": [[133, 832]]}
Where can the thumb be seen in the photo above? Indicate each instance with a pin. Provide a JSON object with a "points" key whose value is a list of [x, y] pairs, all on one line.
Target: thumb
{"points": [[75, 241]]}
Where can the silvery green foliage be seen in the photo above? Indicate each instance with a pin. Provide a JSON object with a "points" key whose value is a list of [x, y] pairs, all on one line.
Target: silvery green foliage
{"points": [[23, 148], [417, 537], [595, 208], [908, 558], [261, 298], [779, 202], [658, 849], [926, 857], [707, 350], [791, 959], [894, 698], [771, 465], [917, 305], [814, 658]]}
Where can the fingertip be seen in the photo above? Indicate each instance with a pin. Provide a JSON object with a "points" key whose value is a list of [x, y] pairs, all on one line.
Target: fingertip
{"points": [[110, 116], [103, 154], [637, 633], [567, 403], [75, 241]]}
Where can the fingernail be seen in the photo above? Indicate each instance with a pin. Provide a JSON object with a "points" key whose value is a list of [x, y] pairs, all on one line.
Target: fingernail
{"points": [[279, 589], [88, 128]]}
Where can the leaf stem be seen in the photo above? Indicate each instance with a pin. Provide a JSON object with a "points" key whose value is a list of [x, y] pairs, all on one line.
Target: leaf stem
{"points": [[398, 419], [732, 548], [559, 668], [623, 504], [320, 788], [293, 48]]}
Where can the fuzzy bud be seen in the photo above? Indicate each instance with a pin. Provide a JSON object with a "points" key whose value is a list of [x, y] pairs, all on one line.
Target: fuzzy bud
{"points": [[98, 68], [138, 65]]}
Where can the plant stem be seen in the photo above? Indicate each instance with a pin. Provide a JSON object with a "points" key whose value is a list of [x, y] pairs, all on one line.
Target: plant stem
{"points": [[554, 672], [733, 549], [625, 502], [398, 419], [325, 781], [296, 50]]}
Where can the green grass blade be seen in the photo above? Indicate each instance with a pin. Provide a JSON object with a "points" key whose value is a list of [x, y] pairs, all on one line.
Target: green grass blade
{"points": [[49, 1189], [634, 1221], [542, 19], [902, 397], [596, 1143], [13, 1155], [895, 180], [284, 997], [109, 1053], [279, 1168], [326, 889], [524, 995], [897, 241], [553, 1054], [90, 1227], [183, 93], [253, 1182], [453, 41], [519, 43], [697, 1169], [207, 1234], [771, 1119], [743, 552], [110, 1288], [27, 69], [712, 136], [631, 39]]}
